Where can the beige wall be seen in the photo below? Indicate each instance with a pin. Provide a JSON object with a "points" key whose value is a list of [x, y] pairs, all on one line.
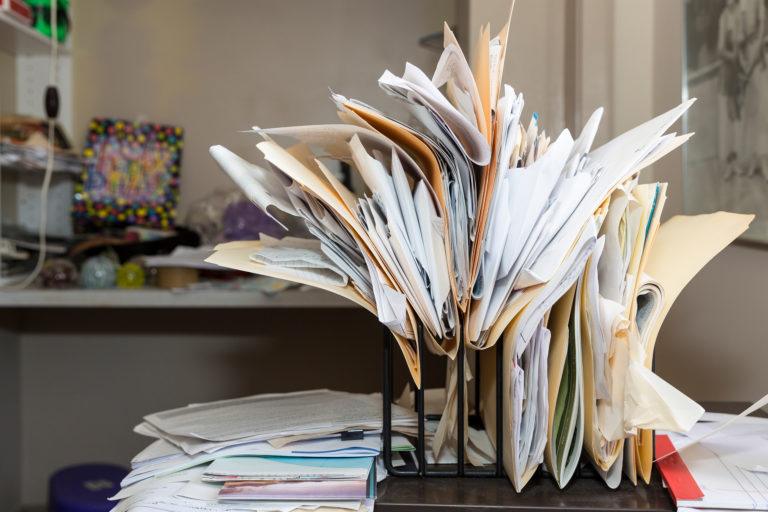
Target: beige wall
{"points": [[7, 83], [535, 60], [227, 66]]}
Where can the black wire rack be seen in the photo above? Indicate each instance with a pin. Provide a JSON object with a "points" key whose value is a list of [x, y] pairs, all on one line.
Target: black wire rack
{"points": [[420, 467]]}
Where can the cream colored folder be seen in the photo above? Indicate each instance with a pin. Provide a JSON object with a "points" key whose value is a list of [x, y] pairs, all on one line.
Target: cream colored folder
{"points": [[682, 247], [565, 424]]}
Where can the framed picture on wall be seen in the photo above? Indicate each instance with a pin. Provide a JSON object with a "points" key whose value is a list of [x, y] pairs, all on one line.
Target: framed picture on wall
{"points": [[726, 67]]}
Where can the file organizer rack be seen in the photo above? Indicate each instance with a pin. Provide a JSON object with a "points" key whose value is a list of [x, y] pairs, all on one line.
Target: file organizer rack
{"points": [[440, 470], [422, 469]]}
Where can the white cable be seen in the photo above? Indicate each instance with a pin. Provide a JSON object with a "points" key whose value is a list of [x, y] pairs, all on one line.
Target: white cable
{"points": [[43, 224]]}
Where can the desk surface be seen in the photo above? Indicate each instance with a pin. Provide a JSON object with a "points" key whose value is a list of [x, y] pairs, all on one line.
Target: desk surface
{"points": [[497, 494], [541, 493]]}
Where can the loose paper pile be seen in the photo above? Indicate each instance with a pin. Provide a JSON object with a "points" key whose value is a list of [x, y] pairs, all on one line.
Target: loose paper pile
{"points": [[476, 223], [728, 469], [313, 450]]}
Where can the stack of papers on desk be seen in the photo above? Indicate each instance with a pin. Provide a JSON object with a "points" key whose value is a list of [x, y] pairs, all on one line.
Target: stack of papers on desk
{"points": [[310, 450], [290, 478], [277, 418], [477, 224], [730, 467]]}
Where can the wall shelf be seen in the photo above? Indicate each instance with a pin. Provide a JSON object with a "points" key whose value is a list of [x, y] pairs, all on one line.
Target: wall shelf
{"points": [[19, 39], [156, 298]]}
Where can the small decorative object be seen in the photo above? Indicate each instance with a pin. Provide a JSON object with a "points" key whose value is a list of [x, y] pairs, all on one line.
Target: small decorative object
{"points": [[84, 488], [131, 175], [171, 278], [58, 273], [205, 216], [243, 220], [224, 216], [726, 164], [98, 272], [130, 275]]}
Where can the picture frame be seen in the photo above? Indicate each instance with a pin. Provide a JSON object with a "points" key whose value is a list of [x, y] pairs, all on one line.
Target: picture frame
{"points": [[725, 66], [131, 175]]}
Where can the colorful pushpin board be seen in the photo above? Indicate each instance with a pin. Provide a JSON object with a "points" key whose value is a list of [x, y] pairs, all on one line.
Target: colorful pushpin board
{"points": [[131, 175]]}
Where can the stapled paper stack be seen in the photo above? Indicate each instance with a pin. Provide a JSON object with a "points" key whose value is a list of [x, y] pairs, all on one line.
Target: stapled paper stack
{"points": [[477, 224], [311, 450]]}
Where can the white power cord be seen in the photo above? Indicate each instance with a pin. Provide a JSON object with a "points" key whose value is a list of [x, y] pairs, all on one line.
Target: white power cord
{"points": [[43, 224]]}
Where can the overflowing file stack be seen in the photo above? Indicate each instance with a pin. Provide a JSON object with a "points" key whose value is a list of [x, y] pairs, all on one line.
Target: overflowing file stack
{"points": [[314, 450], [478, 225]]}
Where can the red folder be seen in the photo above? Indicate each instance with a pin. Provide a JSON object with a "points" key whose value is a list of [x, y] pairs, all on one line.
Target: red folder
{"points": [[680, 482]]}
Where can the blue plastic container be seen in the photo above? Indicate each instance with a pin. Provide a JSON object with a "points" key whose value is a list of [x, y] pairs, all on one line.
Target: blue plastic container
{"points": [[84, 488]]}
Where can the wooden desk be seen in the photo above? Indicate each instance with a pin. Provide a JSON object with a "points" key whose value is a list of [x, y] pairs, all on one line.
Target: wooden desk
{"points": [[541, 493]]}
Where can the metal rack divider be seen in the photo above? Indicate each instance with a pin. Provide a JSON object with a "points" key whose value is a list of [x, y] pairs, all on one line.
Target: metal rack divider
{"points": [[440, 470], [422, 469]]}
